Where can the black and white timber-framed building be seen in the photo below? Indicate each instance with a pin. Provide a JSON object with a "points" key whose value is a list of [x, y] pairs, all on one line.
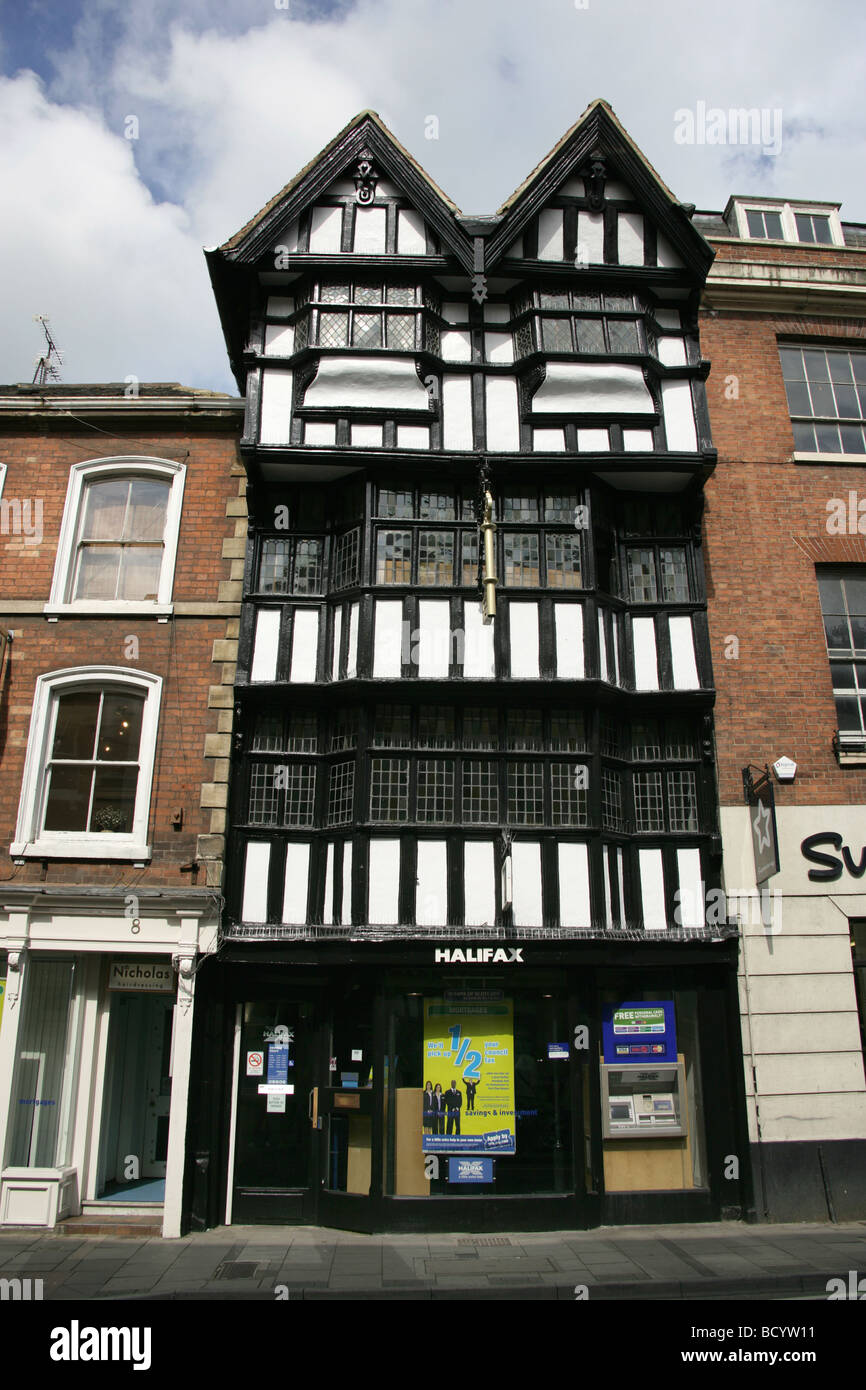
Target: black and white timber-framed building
{"points": [[436, 810]]}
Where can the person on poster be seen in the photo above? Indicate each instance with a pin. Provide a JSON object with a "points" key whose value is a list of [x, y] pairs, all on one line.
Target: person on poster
{"points": [[438, 1110], [453, 1102], [471, 1088], [427, 1119]]}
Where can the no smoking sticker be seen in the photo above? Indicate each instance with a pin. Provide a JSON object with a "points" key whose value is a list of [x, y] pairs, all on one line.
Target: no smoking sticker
{"points": [[255, 1063]]}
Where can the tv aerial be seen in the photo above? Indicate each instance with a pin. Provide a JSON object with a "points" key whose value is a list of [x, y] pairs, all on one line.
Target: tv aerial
{"points": [[47, 365]]}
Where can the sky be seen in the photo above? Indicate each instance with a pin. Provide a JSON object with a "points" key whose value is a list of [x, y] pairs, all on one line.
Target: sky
{"points": [[105, 217]]}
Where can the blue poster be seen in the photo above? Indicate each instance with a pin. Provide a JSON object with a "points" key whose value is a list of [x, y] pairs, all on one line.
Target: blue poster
{"points": [[278, 1064], [637, 1031]]}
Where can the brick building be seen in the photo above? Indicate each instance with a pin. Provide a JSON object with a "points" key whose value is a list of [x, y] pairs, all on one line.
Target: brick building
{"points": [[122, 532], [784, 326], [467, 978]]}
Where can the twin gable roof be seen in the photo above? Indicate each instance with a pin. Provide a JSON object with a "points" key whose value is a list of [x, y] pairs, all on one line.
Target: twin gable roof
{"points": [[596, 132]]}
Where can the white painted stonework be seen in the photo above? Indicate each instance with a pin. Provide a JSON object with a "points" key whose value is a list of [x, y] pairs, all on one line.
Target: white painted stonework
{"points": [[797, 997]]}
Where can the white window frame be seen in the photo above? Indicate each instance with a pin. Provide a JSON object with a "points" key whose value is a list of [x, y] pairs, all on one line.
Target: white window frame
{"points": [[31, 841], [129, 466], [789, 227], [2, 477]]}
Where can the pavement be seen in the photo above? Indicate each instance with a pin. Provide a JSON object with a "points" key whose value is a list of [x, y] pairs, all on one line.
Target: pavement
{"points": [[712, 1261]]}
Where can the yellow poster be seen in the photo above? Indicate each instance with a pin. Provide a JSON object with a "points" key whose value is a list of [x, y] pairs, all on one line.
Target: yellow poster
{"points": [[469, 1074]]}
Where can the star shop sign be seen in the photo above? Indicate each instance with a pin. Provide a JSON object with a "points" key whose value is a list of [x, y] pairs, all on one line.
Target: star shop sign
{"points": [[762, 816]]}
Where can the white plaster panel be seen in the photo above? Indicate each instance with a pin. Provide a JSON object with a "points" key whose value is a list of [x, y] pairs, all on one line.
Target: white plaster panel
{"points": [[593, 441], [279, 339], [608, 913], [613, 189], [614, 622], [366, 436], [496, 313], [479, 662], [387, 639], [276, 410], [593, 387], [456, 412], [413, 437], [456, 345], [672, 352], [254, 905], [526, 868], [568, 626], [280, 306], [603, 667], [431, 892], [590, 237], [290, 239], [320, 433], [384, 882], [328, 909], [691, 899], [411, 236], [369, 231], [326, 230], [479, 883], [550, 236], [503, 423], [669, 318], [346, 914], [498, 347], [629, 229], [387, 382], [523, 639], [574, 899], [305, 641], [352, 654], [266, 645], [637, 441], [666, 255], [297, 880], [434, 638], [338, 637], [548, 441], [652, 888], [685, 670], [646, 666], [455, 311], [516, 248]]}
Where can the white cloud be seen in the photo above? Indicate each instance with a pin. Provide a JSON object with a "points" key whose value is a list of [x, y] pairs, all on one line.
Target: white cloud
{"points": [[234, 96], [121, 278]]}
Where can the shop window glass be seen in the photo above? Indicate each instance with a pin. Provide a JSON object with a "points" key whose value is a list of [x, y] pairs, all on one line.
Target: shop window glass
{"points": [[43, 1080]]}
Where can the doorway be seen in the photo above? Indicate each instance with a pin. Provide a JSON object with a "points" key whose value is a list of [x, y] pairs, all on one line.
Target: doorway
{"points": [[274, 1121], [138, 1098]]}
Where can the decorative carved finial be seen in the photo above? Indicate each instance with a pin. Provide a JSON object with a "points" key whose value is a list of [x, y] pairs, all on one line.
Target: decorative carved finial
{"points": [[366, 178], [594, 179]]}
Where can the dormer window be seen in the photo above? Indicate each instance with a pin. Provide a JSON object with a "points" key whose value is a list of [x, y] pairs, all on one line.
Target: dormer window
{"points": [[807, 224]]}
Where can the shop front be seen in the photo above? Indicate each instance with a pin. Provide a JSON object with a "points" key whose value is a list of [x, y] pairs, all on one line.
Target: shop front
{"points": [[491, 1086], [94, 1051]]}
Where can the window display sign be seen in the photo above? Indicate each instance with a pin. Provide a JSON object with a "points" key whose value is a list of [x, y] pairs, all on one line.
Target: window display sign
{"points": [[470, 1169], [639, 1032], [468, 1075]]}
